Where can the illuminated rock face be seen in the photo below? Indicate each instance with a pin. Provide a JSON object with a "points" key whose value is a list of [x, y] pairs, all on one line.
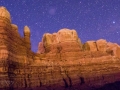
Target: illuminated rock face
{"points": [[101, 45], [4, 13], [64, 40], [90, 46], [14, 50], [114, 49], [41, 48], [63, 35], [62, 61]]}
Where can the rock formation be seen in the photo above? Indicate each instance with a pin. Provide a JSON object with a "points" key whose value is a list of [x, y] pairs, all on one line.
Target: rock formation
{"points": [[101, 45], [61, 63], [114, 49], [90, 46], [41, 48], [63, 40]]}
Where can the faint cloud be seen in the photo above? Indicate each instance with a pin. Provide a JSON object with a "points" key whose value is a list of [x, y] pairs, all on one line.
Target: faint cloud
{"points": [[52, 11]]}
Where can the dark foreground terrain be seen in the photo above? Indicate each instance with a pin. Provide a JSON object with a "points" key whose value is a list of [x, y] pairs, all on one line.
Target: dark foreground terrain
{"points": [[111, 86]]}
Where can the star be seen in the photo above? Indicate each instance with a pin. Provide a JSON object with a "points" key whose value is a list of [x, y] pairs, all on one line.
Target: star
{"points": [[114, 22]]}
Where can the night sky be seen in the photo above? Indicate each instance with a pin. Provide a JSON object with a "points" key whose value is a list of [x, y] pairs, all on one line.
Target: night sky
{"points": [[92, 19]]}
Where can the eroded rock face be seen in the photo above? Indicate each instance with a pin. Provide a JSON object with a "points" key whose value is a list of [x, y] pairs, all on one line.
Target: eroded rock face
{"points": [[4, 13], [117, 54], [14, 27], [101, 45], [90, 46], [113, 49], [4, 54], [64, 39], [62, 35], [67, 35], [47, 39], [41, 48], [13, 51]]}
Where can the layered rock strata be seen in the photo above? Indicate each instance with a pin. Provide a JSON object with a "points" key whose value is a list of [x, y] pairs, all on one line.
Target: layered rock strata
{"points": [[14, 50], [62, 61]]}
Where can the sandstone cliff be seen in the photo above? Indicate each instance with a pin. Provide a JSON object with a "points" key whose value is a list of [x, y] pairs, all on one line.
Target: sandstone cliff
{"points": [[61, 63]]}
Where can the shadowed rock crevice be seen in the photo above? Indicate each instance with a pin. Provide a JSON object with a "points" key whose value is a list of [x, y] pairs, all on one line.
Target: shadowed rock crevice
{"points": [[70, 81], [40, 84], [82, 81], [65, 83]]}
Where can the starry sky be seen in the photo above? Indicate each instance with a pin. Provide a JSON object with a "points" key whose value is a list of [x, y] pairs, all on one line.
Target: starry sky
{"points": [[92, 19]]}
